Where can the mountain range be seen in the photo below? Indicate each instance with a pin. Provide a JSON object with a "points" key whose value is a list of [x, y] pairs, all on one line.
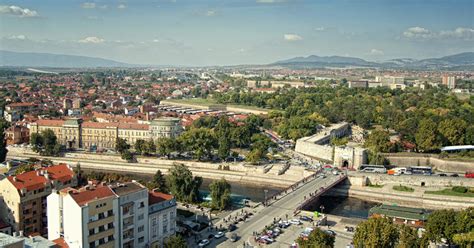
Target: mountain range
{"points": [[461, 61], [456, 61]]}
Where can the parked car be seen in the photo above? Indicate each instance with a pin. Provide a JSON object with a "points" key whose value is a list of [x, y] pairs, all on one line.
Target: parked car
{"points": [[219, 235], [454, 175], [203, 243], [231, 227], [442, 175], [283, 224], [234, 237], [306, 218], [330, 232], [349, 228], [295, 222]]}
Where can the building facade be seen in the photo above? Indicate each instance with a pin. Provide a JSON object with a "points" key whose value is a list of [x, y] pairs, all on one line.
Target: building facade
{"points": [[17, 135], [74, 133], [23, 197], [449, 81], [15, 111], [162, 217]]}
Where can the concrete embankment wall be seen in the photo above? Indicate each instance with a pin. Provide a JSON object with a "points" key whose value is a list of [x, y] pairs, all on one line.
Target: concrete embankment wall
{"points": [[238, 172], [427, 201], [361, 179], [413, 159]]}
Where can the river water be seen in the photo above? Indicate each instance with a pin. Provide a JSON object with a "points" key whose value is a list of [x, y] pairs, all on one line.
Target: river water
{"points": [[343, 206]]}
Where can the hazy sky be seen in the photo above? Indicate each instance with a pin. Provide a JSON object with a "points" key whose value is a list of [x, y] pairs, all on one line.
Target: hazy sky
{"points": [[223, 32]]}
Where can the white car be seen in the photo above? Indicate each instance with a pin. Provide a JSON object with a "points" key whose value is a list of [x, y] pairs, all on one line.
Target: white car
{"points": [[203, 243], [295, 222], [219, 235]]}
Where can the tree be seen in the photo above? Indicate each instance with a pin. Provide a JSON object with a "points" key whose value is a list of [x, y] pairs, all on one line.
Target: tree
{"points": [[317, 238], [46, 143], [376, 232], [223, 150], [453, 130], [127, 155], [441, 224], [200, 141], [159, 182], [24, 168], [36, 140], [220, 194], [175, 241], [254, 156], [165, 146], [3, 141], [408, 237], [464, 240], [183, 185], [378, 141], [149, 147], [222, 131], [121, 145], [427, 136], [140, 146]]}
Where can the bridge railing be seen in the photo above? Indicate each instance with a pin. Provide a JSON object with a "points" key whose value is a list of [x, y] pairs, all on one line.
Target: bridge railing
{"points": [[321, 191]]}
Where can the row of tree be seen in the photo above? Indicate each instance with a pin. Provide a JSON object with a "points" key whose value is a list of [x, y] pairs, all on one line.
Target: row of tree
{"points": [[46, 143], [3, 142], [429, 118]]}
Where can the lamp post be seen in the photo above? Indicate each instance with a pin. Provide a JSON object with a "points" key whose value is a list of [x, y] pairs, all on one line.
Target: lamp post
{"points": [[322, 208], [265, 202]]}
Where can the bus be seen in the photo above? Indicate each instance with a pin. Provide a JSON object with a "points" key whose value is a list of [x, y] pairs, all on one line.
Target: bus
{"points": [[373, 168], [421, 170], [399, 171]]}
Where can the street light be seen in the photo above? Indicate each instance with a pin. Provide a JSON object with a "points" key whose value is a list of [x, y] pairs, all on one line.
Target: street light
{"points": [[322, 208], [266, 191]]}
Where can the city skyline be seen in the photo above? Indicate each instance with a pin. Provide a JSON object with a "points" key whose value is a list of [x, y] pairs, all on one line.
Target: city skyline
{"points": [[237, 32]]}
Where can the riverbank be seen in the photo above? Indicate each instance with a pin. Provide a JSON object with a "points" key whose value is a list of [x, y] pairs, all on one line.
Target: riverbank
{"points": [[267, 176]]}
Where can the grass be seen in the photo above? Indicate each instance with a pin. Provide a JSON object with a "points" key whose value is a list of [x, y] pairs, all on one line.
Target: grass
{"points": [[450, 192], [403, 188], [375, 185]]}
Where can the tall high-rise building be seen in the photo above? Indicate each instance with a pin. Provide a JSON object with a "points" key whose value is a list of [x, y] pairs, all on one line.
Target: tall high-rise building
{"points": [[449, 81]]}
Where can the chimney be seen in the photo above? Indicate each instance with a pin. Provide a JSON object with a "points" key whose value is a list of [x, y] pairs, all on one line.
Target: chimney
{"points": [[46, 175], [14, 179], [15, 234], [21, 233]]}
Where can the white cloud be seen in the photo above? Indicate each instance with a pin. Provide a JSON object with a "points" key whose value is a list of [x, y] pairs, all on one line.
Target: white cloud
{"points": [[211, 13], [374, 51], [292, 37], [17, 37], [121, 6], [103, 6], [420, 33], [17, 11], [155, 41], [92, 40], [320, 29], [87, 5]]}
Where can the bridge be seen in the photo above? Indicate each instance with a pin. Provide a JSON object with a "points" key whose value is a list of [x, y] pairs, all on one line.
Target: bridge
{"points": [[286, 204]]}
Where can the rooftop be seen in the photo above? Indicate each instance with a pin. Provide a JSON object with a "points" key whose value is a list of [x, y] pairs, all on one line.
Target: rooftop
{"points": [[157, 197], [127, 188], [39, 178], [85, 195]]}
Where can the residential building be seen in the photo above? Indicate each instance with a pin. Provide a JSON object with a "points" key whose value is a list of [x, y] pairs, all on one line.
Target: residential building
{"points": [[387, 80], [15, 111], [67, 103], [162, 217], [19, 241], [23, 197], [449, 81], [76, 103], [84, 218], [358, 84], [17, 134], [74, 133], [133, 214]]}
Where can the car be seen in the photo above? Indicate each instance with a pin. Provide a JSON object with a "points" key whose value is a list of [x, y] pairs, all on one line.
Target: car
{"points": [[454, 175], [295, 222], [203, 243], [349, 228], [234, 237], [283, 224], [210, 236], [231, 227], [306, 218], [442, 175], [330, 232], [219, 235]]}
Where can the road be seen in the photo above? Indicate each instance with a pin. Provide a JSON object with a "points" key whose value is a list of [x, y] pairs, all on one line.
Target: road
{"points": [[279, 209]]}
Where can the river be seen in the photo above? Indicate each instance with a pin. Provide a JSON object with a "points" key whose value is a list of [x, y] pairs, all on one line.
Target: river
{"points": [[343, 206]]}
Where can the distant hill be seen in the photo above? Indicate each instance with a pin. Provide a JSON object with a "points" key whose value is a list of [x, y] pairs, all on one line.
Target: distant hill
{"points": [[20, 59], [456, 61]]}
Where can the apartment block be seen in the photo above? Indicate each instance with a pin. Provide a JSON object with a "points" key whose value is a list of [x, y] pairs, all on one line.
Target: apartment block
{"points": [[162, 217], [23, 197]]}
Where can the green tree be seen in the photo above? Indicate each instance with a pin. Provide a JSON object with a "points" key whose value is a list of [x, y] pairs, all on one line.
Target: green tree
{"points": [[255, 156], [220, 194], [200, 141], [427, 136], [46, 143], [175, 241], [223, 150], [378, 141], [222, 131], [183, 185], [159, 182], [317, 238], [149, 147], [375, 233], [140, 146], [165, 146], [121, 145], [464, 240], [128, 156], [36, 140], [24, 168], [453, 130], [3, 141], [441, 224], [408, 237]]}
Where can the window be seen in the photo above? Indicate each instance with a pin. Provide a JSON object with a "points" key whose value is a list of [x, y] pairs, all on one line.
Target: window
{"points": [[110, 213], [110, 238], [101, 241], [142, 204], [141, 239], [110, 225], [92, 244], [141, 228], [140, 217], [91, 231]]}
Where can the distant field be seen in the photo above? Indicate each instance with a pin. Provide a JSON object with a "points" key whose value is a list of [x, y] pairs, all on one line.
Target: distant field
{"points": [[450, 192], [208, 102]]}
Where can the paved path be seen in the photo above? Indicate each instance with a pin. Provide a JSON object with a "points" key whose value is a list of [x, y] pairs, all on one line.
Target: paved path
{"points": [[279, 209]]}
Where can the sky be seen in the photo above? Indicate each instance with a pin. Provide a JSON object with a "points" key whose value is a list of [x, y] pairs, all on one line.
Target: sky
{"points": [[231, 32]]}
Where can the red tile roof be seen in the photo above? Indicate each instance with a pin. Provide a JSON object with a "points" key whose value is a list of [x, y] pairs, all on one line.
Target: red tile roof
{"points": [[33, 180], [61, 243], [133, 126], [51, 123], [84, 196], [157, 197], [91, 124]]}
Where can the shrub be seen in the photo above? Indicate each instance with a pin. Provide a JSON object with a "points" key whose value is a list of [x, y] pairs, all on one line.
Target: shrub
{"points": [[460, 189]]}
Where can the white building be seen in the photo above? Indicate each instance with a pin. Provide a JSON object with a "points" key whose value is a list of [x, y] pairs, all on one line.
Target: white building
{"points": [[133, 214], [162, 217], [84, 218]]}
